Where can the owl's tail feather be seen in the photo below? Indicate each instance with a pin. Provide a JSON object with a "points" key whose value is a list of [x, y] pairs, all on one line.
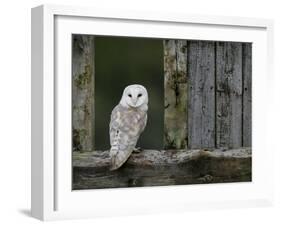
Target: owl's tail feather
{"points": [[114, 165], [118, 158], [113, 157], [114, 152], [119, 153]]}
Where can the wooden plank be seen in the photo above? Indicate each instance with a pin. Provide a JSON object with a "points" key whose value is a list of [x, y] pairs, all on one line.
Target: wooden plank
{"points": [[175, 94], [247, 94], [229, 94], [201, 99], [82, 93], [162, 167]]}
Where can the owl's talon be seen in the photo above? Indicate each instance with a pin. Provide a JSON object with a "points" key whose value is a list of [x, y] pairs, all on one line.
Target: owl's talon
{"points": [[137, 150]]}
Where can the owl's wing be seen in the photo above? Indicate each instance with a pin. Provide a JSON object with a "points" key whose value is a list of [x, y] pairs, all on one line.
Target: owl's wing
{"points": [[143, 123], [125, 129]]}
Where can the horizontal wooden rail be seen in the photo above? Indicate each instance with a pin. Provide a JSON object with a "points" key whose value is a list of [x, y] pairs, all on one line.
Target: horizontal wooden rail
{"points": [[162, 167]]}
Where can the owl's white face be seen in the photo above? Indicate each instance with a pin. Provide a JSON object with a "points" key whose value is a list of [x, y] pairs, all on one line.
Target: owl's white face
{"points": [[134, 96]]}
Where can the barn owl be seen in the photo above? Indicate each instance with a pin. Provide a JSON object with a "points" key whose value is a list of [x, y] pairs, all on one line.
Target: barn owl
{"points": [[128, 120]]}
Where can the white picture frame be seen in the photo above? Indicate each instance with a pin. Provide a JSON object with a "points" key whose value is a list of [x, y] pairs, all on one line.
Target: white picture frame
{"points": [[52, 197]]}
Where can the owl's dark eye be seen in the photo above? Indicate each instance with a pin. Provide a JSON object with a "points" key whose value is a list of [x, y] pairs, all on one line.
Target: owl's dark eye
{"points": [[129, 95], [139, 95]]}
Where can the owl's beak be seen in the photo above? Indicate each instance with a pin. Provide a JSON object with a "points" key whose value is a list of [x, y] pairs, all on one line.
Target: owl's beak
{"points": [[135, 101]]}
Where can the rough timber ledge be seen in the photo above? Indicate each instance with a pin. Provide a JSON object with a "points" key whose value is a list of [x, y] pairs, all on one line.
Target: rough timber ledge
{"points": [[164, 167]]}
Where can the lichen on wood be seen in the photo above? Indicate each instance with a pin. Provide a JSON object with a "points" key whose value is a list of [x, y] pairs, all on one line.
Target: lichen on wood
{"points": [[82, 93], [175, 94]]}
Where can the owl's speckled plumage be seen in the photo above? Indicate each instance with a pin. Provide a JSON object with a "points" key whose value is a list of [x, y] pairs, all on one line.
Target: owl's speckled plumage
{"points": [[128, 120]]}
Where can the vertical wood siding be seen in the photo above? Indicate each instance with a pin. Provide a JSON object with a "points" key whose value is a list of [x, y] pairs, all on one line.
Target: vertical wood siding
{"points": [[247, 95], [217, 89], [82, 93], [229, 94], [201, 101]]}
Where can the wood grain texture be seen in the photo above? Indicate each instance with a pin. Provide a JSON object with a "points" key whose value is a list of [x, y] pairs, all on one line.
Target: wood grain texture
{"points": [[175, 94], [247, 94], [82, 93], [201, 98], [162, 167], [229, 94]]}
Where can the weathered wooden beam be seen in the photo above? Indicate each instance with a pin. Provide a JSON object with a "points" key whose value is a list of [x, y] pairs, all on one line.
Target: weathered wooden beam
{"points": [[164, 167], [82, 92], [201, 94], [175, 94]]}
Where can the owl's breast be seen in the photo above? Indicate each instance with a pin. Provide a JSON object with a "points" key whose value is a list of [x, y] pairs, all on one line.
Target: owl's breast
{"points": [[132, 121], [135, 116]]}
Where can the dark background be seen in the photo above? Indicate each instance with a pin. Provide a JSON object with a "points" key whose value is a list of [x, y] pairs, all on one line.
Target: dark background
{"points": [[119, 62]]}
